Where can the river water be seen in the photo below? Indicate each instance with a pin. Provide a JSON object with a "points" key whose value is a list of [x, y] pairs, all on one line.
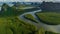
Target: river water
{"points": [[52, 28]]}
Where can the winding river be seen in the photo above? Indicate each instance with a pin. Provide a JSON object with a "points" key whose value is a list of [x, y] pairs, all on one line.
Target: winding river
{"points": [[52, 28]]}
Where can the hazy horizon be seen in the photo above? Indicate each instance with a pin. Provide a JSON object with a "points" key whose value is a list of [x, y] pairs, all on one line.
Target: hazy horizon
{"points": [[29, 0]]}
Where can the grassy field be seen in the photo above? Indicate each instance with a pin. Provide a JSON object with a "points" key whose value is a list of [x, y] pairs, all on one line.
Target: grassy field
{"points": [[12, 25], [48, 32], [51, 18], [30, 17]]}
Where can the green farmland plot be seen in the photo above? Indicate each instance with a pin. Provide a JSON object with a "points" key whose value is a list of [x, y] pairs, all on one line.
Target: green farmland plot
{"points": [[51, 18], [30, 17]]}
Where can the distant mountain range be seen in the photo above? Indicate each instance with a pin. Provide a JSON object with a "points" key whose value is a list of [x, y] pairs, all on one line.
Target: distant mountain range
{"points": [[19, 2], [24, 3], [50, 6]]}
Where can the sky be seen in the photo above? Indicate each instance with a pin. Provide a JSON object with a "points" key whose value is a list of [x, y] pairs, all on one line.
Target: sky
{"points": [[29, 0]]}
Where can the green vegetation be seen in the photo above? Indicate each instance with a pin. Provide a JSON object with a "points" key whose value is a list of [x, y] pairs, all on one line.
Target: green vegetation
{"points": [[11, 24], [12, 11], [30, 17], [41, 31], [51, 18], [48, 32]]}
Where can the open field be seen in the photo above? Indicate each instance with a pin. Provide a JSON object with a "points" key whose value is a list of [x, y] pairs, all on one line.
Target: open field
{"points": [[30, 17], [51, 18]]}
